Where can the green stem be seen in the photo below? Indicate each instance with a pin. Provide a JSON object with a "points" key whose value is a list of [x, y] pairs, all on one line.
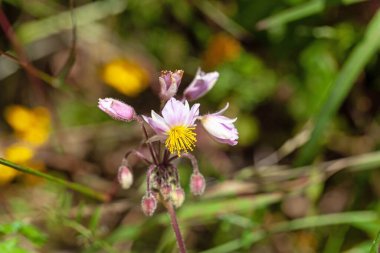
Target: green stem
{"points": [[73, 186]]}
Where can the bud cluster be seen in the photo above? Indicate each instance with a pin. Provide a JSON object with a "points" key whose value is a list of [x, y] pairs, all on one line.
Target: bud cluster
{"points": [[174, 134]]}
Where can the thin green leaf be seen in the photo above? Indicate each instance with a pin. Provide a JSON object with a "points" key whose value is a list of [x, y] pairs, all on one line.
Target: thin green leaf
{"points": [[86, 14], [303, 223], [94, 221], [376, 244], [65, 70], [350, 72], [298, 12], [33, 234], [73, 186]]}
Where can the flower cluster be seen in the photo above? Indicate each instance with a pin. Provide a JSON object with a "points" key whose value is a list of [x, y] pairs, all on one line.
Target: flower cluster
{"points": [[174, 130], [31, 129]]}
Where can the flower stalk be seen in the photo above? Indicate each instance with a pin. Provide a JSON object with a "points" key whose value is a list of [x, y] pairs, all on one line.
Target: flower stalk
{"points": [[177, 231]]}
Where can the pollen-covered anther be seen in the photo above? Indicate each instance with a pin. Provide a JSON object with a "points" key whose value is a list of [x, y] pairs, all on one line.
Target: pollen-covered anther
{"points": [[181, 139]]}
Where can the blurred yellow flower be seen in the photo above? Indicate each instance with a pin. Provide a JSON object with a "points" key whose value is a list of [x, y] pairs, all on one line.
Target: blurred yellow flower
{"points": [[7, 174], [30, 125], [17, 153], [221, 48], [125, 76]]}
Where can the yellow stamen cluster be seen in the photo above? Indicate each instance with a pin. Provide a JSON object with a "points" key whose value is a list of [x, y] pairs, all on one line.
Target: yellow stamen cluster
{"points": [[181, 138]]}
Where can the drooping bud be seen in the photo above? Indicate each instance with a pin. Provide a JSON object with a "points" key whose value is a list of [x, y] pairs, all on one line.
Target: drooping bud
{"points": [[202, 83], [117, 109], [125, 177], [197, 183], [169, 83], [148, 204], [177, 197]]}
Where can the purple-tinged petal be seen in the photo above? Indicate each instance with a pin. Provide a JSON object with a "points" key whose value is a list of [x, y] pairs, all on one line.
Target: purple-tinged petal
{"points": [[117, 109], [170, 112], [157, 123], [202, 83], [169, 83], [221, 127], [193, 115]]}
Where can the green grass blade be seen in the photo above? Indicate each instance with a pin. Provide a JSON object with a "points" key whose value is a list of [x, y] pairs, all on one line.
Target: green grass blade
{"points": [[297, 12], [376, 244], [350, 72], [71, 185], [221, 19], [86, 14], [302, 223]]}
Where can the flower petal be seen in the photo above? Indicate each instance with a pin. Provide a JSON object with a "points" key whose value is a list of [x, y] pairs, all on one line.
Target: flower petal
{"points": [[157, 123], [202, 83], [221, 127]]}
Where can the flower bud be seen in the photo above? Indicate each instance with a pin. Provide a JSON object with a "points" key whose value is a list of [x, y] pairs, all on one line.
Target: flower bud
{"points": [[125, 177], [197, 184], [202, 83], [169, 83], [148, 204], [117, 109], [177, 197]]}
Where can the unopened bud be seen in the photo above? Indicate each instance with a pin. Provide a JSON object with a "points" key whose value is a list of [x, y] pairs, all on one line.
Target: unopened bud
{"points": [[148, 204], [117, 109], [177, 197], [125, 177], [197, 184], [169, 82]]}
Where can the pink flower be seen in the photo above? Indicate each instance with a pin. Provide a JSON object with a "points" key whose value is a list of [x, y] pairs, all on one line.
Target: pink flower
{"points": [[176, 126], [202, 83], [117, 109], [221, 127], [169, 83]]}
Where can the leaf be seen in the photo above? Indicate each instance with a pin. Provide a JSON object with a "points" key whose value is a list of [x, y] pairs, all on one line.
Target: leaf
{"points": [[10, 228], [94, 221], [10, 246], [86, 14], [335, 95], [298, 12], [33, 234], [376, 244]]}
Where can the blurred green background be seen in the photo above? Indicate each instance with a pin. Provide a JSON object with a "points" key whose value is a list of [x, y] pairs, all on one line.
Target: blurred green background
{"points": [[301, 76]]}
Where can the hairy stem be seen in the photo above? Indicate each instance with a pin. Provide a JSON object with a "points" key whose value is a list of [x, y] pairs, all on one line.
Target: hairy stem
{"points": [[193, 160], [177, 232], [73, 186]]}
